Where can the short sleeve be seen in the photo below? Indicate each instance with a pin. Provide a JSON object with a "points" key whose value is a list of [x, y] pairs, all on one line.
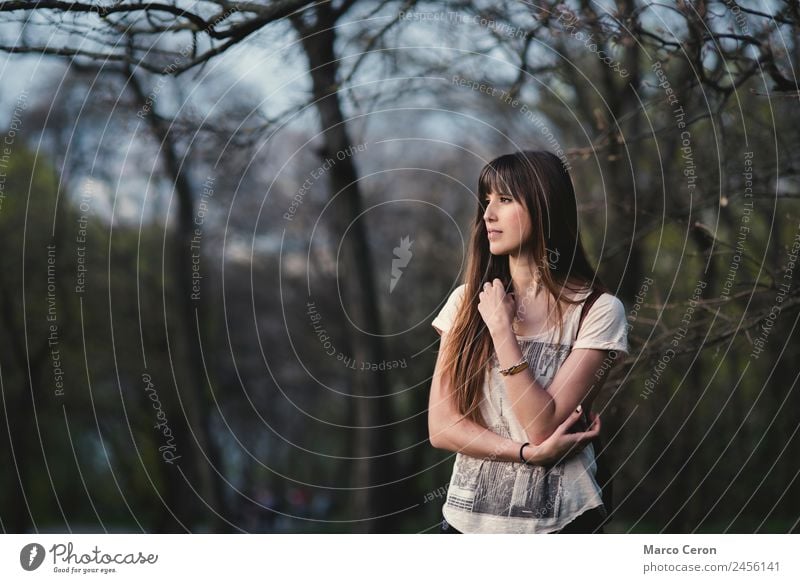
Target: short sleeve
{"points": [[605, 326], [444, 320]]}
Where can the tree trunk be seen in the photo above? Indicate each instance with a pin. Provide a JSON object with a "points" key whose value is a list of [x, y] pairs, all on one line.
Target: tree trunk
{"points": [[623, 102], [196, 400], [359, 291]]}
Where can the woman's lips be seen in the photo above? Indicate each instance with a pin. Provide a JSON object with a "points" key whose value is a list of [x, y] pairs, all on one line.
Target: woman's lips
{"points": [[494, 234]]}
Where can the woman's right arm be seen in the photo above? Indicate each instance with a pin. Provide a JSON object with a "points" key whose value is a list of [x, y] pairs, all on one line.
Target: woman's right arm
{"points": [[450, 430]]}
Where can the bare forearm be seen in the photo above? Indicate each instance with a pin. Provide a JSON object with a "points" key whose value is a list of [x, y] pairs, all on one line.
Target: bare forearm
{"points": [[532, 404], [467, 437]]}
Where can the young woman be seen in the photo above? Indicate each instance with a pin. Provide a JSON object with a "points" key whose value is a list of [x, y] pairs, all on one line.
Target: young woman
{"points": [[516, 369]]}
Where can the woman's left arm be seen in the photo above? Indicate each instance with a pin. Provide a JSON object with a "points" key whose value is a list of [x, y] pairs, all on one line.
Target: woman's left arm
{"points": [[540, 411]]}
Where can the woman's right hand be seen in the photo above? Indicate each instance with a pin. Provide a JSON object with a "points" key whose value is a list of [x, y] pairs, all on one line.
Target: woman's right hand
{"points": [[562, 445]]}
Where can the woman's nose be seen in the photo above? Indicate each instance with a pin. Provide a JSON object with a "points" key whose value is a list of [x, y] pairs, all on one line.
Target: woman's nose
{"points": [[488, 212]]}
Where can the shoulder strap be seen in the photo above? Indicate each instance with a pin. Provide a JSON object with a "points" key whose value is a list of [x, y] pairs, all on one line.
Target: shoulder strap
{"points": [[587, 304], [603, 475]]}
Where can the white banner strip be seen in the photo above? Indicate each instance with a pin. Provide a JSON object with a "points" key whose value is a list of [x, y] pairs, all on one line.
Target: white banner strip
{"points": [[379, 558]]}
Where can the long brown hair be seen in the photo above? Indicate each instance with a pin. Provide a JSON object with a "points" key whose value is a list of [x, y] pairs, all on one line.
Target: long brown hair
{"points": [[542, 183]]}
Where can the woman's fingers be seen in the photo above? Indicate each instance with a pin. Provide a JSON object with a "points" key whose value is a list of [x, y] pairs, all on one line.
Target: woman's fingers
{"points": [[568, 422], [592, 431], [584, 437], [562, 445]]}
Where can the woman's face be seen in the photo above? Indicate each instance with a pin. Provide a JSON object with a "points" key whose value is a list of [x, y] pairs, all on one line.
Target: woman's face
{"points": [[508, 224]]}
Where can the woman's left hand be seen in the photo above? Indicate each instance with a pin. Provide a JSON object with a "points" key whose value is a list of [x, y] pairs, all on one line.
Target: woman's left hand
{"points": [[561, 444], [497, 308]]}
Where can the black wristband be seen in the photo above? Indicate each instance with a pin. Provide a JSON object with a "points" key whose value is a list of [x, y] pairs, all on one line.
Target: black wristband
{"points": [[524, 461]]}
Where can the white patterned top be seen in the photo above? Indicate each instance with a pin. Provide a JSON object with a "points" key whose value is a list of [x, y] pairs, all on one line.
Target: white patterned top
{"points": [[489, 496]]}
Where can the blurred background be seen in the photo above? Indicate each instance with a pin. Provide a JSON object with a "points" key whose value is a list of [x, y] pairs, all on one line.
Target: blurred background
{"points": [[226, 227]]}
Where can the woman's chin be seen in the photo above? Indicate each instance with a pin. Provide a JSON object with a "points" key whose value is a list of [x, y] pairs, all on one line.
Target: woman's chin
{"points": [[497, 249]]}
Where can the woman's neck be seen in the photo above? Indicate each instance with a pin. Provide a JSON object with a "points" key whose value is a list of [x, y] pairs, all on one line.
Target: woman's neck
{"points": [[524, 276]]}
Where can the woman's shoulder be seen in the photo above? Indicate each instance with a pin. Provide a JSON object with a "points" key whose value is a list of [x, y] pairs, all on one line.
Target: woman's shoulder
{"points": [[604, 326], [456, 298], [459, 292], [609, 305], [609, 299], [605, 302]]}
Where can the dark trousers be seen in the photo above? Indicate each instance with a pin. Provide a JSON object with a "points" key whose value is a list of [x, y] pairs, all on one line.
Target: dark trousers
{"points": [[587, 523]]}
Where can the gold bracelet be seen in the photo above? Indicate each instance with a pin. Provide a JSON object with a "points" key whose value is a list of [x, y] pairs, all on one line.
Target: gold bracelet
{"points": [[514, 369]]}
